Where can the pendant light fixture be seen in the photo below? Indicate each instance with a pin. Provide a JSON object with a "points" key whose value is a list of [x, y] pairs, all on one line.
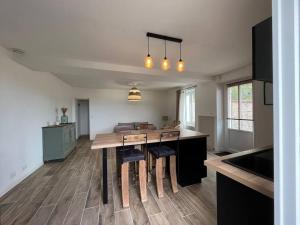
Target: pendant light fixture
{"points": [[134, 95], [148, 59], [180, 63], [165, 64]]}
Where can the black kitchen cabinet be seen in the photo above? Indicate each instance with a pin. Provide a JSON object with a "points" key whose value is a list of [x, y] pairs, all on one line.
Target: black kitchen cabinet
{"points": [[241, 205], [262, 54]]}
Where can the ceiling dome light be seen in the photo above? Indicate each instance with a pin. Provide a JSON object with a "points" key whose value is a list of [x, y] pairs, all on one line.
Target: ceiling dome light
{"points": [[134, 95], [148, 59], [165, 63], [180, 63]]}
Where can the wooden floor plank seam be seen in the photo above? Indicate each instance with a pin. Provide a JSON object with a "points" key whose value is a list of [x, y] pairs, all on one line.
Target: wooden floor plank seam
{"points": [[49, 216], [83, 209], [155, 214], [188, 214], [41, 208], [172, 203], [157, 199], [69, 206], [94, 166]]}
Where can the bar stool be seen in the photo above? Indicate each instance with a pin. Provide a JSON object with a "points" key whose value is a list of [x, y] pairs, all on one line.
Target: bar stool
{"points": [[161, 151], [129, 154]]}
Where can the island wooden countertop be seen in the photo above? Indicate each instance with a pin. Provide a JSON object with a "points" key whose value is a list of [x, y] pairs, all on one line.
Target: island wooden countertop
{"points": [[260, 184], [111, 140]]}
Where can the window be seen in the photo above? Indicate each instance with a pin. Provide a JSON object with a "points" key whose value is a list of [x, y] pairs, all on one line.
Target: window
{"points": [[187, 108], [240, 106]]}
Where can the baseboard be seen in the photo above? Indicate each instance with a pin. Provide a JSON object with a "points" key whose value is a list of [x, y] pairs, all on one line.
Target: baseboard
{"points": [[18, 180], [233, 150], [219, 149]]}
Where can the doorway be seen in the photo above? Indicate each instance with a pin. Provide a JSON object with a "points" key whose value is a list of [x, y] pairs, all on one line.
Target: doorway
{"points": [[83, 117], [239, 130]]}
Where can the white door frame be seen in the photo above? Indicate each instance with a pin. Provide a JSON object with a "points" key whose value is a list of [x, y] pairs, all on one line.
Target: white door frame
{"points": [[286, 111], [77, 115]]}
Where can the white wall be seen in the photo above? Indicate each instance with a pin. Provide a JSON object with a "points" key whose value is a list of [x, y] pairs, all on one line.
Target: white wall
{"points": [[206, 108], [206, 99], [239, 140], [235, 75], [28, 100], [171, 104], [263, 117], [110, 106]]}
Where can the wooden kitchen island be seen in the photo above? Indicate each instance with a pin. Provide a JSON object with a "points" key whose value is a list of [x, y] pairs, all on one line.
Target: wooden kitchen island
{"points": [[191, 153]]}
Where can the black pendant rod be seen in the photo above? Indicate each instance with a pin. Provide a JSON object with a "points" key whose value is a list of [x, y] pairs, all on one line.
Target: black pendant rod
{"points": [[165, 49], [148, 47], [163, 37], [180, 52]]}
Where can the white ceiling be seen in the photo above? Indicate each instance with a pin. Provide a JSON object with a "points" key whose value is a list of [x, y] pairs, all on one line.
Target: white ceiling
{"points": [[102, 43]]}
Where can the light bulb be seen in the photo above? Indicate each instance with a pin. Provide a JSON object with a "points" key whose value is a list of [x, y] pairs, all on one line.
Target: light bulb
{"points": [[165, 64], [148, 62], [180, 66]]}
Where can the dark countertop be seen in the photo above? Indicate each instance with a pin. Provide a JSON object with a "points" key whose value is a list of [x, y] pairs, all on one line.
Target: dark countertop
{"points": [[60, 125], [258, 183]]}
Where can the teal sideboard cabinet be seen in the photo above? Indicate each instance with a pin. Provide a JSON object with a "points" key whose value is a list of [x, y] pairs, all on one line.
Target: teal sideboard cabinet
{"points": [[58, 141]]}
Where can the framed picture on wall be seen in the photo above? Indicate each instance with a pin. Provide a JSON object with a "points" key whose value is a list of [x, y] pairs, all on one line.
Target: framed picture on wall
{"points": [[268, 93]]}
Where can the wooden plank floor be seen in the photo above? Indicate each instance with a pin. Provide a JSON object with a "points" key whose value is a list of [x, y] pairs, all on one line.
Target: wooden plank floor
{"points": [[69, 193]]}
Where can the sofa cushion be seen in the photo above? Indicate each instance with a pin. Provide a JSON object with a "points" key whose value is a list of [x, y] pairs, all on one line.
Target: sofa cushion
{"points": [[123, 128], [140, 125], [125, 124]]}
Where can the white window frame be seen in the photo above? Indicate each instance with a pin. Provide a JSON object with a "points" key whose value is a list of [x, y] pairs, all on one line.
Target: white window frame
{"points": [[238, 84], [185, 111], [191, 109]]}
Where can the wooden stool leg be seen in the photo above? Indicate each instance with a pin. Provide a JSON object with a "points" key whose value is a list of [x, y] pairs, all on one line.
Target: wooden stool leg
{"points": [[143, 181], [135, 171], [125, 184], [164, 162], [149, 166], [159, 179], [173, 173], [118, 164]]}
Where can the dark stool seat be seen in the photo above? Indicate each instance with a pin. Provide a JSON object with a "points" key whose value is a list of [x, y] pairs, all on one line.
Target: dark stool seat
{"points": [[127, 154], [131, 155], [162, 151]]}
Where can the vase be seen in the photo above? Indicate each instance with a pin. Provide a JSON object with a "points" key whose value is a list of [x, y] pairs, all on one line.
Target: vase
{"points": [[64, 117]]}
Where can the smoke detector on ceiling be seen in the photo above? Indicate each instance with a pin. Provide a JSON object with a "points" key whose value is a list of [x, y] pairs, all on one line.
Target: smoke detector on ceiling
{"points": [[136, 83], [17, 51]]}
